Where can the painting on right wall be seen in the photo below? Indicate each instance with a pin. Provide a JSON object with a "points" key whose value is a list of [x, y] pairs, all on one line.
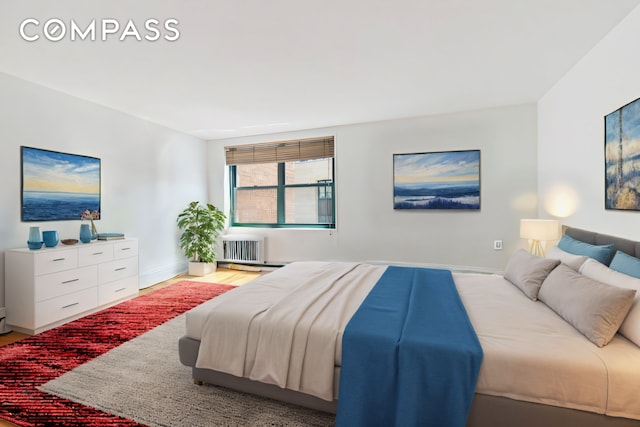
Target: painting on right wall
{"points": [[622, 158]]}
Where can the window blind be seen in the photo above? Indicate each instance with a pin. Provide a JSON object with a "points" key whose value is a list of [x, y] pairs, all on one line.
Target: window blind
{"points": [[281, 151]]}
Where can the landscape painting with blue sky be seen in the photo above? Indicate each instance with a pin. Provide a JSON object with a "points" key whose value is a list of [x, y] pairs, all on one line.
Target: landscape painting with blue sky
{"points": [[58, 186], [439, 180]]}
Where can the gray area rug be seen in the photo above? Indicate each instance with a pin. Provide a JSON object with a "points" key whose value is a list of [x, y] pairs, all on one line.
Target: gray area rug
{"points": [[143, 380]]}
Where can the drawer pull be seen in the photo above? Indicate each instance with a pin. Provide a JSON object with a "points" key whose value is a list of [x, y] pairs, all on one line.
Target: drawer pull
{"points": [[120, 269], [58, 259], [70, 281], [119, 290], [98, 253], [70, 305], [125, 249]]}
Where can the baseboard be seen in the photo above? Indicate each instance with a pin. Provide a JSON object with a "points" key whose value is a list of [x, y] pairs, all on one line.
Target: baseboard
{"points": [[239, 266]]}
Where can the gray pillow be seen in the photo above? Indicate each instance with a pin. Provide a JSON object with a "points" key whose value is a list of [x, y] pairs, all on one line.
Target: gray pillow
{"points": [[594, 308], [528, 271]]}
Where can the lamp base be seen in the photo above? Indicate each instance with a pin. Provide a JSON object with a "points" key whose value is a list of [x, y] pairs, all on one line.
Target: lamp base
{"points": [[535, 247]]}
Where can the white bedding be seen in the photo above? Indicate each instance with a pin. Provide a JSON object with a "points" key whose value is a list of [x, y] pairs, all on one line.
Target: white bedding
{"points": [[285, 328], [530, 353]]}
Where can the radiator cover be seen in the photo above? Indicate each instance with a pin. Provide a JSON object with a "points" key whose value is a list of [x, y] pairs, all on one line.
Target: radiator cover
{"points": [[243, 248]]}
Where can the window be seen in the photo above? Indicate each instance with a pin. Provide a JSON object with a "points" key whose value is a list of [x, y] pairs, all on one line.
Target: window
{"points": [[283, 184]]}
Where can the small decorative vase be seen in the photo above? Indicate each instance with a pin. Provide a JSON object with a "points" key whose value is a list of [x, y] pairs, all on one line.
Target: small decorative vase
{"points": [[50, 238], [35, 238], [94, 231], [85, 233], [34, 234]]}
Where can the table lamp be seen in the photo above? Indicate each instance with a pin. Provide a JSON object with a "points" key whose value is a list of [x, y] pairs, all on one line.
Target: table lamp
{"points": [[538, 231]]}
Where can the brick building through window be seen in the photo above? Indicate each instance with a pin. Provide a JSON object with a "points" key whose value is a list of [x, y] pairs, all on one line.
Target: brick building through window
{"points": [[295, 188]]}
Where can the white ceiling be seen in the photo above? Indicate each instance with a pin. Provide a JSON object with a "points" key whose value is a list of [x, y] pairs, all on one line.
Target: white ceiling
{"points": [[247, 67]]}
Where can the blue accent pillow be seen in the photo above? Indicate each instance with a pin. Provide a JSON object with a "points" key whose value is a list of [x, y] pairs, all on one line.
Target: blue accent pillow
{"points": [[601, 254], [626, 264]]}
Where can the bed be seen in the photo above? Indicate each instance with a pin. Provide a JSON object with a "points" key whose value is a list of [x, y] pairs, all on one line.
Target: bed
{"points": [[537, 369]]}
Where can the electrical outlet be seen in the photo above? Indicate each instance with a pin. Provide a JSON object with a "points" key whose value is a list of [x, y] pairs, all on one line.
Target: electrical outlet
{"points": [[497, 245]]}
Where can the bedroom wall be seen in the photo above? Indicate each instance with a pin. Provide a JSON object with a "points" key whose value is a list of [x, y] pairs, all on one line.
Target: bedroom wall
{"points": [[149, 173], [368, 228], [571, 133]]}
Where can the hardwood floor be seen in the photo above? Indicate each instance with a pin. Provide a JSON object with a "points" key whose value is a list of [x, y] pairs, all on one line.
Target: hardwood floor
{"points": [[11, 338], [221, 275]]}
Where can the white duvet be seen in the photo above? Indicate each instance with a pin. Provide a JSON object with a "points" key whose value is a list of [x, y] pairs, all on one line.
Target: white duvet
{"points": [[285, 328]]}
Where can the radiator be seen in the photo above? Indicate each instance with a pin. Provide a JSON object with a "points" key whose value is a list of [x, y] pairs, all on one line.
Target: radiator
{"points": [[243, 248]]}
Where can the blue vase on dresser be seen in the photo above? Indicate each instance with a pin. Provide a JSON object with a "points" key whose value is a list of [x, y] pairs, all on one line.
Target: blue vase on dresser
{"points": [[35, 238], [85, 233]]}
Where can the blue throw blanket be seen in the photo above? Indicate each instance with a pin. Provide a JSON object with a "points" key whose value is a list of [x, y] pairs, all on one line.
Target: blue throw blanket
{"points": [[410, 356]]}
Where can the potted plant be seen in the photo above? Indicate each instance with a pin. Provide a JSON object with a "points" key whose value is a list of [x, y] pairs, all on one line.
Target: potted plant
{"points": [[201, 226]]}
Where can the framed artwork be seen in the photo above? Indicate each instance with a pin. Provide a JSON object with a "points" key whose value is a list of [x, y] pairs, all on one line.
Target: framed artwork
{"points": [[58, 186], [438, 180], [622, 158]]}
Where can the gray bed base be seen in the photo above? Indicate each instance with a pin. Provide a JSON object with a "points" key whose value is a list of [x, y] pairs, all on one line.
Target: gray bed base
{"points": [[486, 411], [189, 354]]}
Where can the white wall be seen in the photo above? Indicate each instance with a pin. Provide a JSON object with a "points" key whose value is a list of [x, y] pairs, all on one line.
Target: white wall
{"points": [[149, 173], [571, 133], [368, 228]]}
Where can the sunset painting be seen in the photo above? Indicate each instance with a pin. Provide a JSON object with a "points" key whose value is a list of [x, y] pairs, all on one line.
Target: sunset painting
{"points": [[439, 180], [622, 158], [58, 186]]}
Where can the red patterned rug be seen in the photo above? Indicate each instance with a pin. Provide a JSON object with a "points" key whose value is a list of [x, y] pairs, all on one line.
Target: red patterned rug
{"points": [[36, 360]]}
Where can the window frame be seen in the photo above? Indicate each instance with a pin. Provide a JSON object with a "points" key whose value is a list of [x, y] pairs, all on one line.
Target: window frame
{"points": [[281, 199]]}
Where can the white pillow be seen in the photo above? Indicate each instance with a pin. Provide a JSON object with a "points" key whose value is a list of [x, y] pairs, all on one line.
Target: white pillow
{"points": [[630, 327], [573, 261]]}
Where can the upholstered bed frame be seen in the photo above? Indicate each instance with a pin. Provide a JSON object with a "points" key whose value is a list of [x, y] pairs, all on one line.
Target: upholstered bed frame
{"points": [[486, 411], [625, 245]]}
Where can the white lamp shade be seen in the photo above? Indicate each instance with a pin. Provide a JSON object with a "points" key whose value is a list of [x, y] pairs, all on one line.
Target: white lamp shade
{"points": [[539, 229]]}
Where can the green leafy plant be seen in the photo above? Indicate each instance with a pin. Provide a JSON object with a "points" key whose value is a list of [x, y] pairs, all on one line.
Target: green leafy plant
{"points": [[201, 225]]}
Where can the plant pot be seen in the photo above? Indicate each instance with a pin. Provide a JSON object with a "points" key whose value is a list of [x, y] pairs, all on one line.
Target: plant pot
{"points": [[201, 268]]}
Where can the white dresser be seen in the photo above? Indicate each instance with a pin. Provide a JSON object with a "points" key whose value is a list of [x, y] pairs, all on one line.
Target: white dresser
{"points": [[48, 287]]}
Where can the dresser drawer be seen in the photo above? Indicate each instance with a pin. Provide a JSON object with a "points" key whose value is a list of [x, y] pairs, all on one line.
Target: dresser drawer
{"points": [[55, 309], [118, 290], [94, 254], [125, 249], [65, 282], [52, 261], [118, 269]]}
